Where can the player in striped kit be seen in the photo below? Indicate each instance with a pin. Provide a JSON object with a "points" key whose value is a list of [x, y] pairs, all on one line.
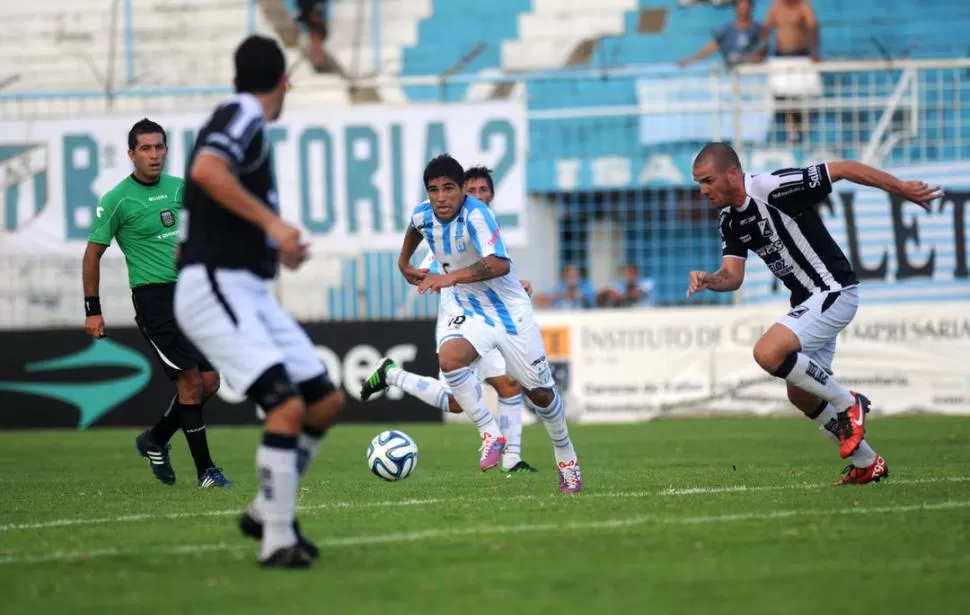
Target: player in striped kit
{"points": [[774, 215], [490, 369], [466, 241]]}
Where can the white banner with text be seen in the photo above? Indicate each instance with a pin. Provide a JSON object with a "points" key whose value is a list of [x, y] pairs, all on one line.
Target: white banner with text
{"points": [[635, 365], [349, 177]]}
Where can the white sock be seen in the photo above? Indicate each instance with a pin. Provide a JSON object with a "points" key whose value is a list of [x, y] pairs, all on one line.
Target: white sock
{"points": [[428, 390], [278, 480], [554, 418], [510, 421], [306, 451], [468, 393], [811, 377], [827, 422]]}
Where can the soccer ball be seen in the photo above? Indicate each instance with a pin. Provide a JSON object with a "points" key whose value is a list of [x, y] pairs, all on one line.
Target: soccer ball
{"points": [[392, 455]]}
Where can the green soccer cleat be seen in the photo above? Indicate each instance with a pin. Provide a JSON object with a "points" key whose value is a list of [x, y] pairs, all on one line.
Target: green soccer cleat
{"points": [[520, 468], [377, 381]]}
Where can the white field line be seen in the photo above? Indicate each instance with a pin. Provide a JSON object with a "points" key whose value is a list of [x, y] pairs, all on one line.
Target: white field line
{"points": [[526, 528], [670, 492]]}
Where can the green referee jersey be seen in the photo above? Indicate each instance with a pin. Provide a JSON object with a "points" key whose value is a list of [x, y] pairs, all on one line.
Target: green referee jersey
{"points": [[144, 218]]}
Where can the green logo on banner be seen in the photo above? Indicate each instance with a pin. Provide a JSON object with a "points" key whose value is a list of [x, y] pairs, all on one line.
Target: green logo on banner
{"points": [[92, 399]]}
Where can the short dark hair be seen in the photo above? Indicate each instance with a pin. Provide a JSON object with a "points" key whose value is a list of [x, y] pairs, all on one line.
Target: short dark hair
{"points": [[723, 155], [444, 166], [145, 127], [260, 64], [481, 172]]}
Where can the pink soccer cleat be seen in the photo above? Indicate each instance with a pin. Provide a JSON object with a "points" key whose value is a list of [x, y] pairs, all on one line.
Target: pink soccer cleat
{"points": [[570, 477], [492, 448]]}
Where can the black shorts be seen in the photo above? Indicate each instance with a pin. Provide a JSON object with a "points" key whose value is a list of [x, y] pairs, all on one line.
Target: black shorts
{"points": [[155, 316], [306, 9]]}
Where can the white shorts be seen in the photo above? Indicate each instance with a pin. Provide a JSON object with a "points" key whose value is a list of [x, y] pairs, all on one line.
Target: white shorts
{"points": [[524, 353], [818, 320], [238, 325], [489, 365]]}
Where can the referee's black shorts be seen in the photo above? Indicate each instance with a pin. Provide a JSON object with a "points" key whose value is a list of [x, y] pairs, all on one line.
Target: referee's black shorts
{"points": [[155, 315]]}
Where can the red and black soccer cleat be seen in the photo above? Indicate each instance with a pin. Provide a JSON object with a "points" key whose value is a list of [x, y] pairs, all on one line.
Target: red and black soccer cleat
{"points": [[852, 425], [874, 473]]}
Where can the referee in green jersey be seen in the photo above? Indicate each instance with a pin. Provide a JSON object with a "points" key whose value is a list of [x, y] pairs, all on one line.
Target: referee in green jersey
{"points": [[142, 214]]}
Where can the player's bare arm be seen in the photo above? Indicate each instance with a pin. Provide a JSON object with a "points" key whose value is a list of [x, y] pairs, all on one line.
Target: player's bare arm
{"points": [[490, 267], [214, 174], [726, 279], [412, 239], [913, 190], [91, 280]]}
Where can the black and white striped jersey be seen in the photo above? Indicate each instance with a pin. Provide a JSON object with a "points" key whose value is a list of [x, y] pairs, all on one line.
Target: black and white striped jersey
{"points": [[211, 234], [781, 224]]}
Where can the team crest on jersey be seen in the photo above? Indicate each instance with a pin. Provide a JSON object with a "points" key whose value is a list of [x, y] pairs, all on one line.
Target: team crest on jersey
{"points": [[765, 228], [168, 217]]}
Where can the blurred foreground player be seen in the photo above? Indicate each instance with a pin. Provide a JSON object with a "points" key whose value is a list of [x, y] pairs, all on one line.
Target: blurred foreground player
{"points": [[142, 213], [489, 369], [232, 243], [775, 216]]}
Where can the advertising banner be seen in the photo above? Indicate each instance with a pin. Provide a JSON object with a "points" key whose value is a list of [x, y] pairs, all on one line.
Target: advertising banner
{"points": [[349, 177], [633, 365], [64, 379]]}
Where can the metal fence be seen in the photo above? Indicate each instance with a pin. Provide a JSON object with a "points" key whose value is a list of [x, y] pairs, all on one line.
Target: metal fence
{"points": [[609, 171]]}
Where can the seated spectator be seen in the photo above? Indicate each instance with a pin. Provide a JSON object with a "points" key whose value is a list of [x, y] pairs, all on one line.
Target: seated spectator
{"points": [[631, 290], [796, 45], [738, 41], [313, 15], [572, 294]]}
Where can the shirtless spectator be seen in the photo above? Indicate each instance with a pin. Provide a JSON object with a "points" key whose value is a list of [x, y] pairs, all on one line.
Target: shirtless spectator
{"points": [[797, 29], [796, 44]]}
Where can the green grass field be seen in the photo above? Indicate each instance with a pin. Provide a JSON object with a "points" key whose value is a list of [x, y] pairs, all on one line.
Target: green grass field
{"points": [[677, 516]]}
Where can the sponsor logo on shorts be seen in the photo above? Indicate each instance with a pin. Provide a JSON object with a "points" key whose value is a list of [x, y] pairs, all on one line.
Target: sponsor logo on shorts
{"points": [[797, 312]]}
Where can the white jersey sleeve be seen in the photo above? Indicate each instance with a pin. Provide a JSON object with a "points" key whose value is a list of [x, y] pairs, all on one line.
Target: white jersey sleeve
{"points": [[485, 234]]}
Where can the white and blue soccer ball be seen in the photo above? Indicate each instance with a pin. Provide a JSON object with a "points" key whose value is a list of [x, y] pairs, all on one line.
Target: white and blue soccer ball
{"points": [[392, 455]]}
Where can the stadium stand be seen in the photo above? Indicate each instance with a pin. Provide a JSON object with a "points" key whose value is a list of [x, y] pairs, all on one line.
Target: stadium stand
{"points": [[605, 99]]}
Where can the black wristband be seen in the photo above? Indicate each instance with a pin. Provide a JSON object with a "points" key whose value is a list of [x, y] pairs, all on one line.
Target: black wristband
{"points": [[92, 306]]}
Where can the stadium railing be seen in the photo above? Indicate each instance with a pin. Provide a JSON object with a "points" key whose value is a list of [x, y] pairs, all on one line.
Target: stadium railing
{"points": [[608, 164]]}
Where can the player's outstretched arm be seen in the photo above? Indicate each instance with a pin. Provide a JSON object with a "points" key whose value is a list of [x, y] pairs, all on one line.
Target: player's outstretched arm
{"points": [[914, 190], [412, 239], [91, 280], [726, 279]]}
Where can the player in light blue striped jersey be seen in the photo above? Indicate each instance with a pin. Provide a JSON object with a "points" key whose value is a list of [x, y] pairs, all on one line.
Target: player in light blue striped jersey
{"points": [[489, 369], [496, 313]]}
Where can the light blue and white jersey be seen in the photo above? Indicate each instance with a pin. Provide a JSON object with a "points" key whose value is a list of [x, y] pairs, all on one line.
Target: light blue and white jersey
{"points": [[447, 306], [463, 241]]}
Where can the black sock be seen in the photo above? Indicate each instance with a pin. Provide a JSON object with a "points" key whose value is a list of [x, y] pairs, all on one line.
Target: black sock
{"points": [[166, 426], [193, 426]]}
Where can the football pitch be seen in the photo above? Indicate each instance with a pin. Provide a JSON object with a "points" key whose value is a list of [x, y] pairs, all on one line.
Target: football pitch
{"points": [[676, 516]]}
